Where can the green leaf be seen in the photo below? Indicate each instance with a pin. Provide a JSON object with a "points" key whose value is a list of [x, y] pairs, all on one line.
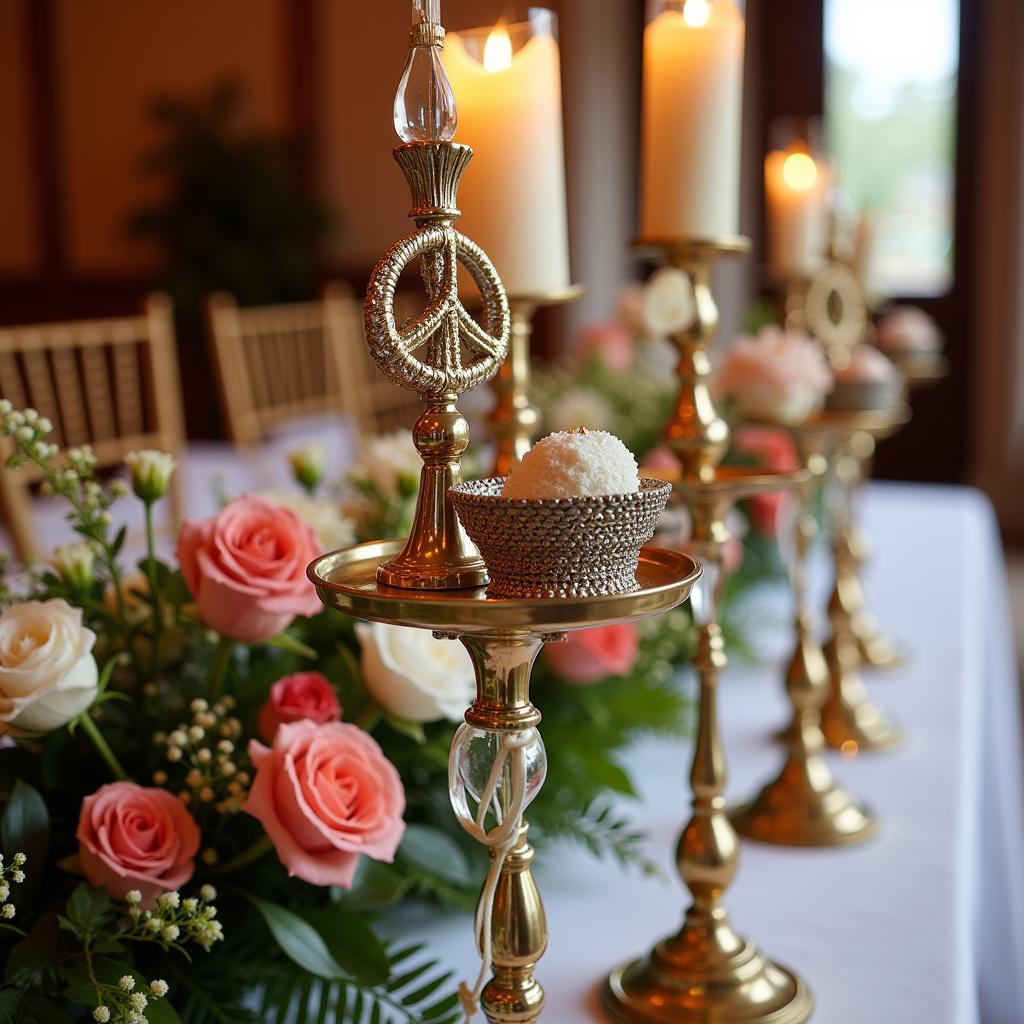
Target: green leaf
{"points": [[435, 852], [175, 590], [298, 940], [115, 548], [88, 911], [25, 828], [352, 943], [291, 644], [24, 967], [608, 773], [375, 886], [20, 1007], [414, 730]]}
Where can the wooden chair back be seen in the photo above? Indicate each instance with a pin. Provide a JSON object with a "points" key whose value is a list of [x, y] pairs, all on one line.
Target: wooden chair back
{"points": [[282, 362], [111, 383]]}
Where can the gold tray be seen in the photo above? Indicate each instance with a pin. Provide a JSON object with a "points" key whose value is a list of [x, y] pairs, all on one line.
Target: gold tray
{"points": [[347, 581]]}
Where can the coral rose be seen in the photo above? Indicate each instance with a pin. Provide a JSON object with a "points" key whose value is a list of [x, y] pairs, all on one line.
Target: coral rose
{"points": [[325, 795], [301, 696], [246, 568], [48, 674], [774, 450], [590, 655], [134, 837]]}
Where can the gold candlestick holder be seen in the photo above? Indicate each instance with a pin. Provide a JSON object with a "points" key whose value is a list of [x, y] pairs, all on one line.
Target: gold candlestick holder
{"points": [[707, 972], [437, 579], [514, 419], [804, 805], [850, 722]]}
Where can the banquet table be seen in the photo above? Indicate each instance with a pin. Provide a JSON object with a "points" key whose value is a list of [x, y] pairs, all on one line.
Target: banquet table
{"points": [[922, 925]]}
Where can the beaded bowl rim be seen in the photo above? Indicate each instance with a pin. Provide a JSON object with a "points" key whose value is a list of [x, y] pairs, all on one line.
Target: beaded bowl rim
{"points": [[474, 492]]}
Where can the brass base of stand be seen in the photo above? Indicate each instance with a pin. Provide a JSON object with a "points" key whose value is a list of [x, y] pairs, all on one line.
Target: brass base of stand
{"points": [[879, 651], [680, 984], [804, 806], [849, 721]]}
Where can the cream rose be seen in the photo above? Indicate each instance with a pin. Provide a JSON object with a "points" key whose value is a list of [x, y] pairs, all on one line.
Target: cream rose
{"points": [[414, 676], [47, 672]]}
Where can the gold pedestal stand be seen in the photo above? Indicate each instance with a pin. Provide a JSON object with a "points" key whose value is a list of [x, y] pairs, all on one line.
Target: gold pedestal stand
{"points": [[804, 805], [437, 579], [850, 722], [707, 972], [503, 637], [514, 419]]}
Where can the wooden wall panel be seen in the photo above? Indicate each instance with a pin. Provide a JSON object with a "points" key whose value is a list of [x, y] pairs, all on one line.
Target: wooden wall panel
{"points": [[112, 58], [20, 247]]}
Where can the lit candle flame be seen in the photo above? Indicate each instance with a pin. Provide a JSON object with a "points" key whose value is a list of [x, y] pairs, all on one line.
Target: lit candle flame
{"points": [[697, 13], [799, 172], [498, 50]]}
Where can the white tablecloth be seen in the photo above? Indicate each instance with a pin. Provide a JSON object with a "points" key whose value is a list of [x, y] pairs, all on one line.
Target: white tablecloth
{"points": [[922, 925]]}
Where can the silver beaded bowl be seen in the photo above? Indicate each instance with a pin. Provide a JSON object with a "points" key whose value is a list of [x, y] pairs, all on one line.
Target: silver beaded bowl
{"points": [[559, 547], [861, 396]]}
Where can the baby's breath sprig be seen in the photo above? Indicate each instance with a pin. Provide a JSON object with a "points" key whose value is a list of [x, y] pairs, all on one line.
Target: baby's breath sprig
{"points": [[208, 768], [10, 874], [126, 1002], [176, 920], [72, 479]]}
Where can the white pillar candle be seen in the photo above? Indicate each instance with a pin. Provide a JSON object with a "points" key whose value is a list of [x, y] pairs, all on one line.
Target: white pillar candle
{"points": [[796, 194], [513, 194], [692, 120]]}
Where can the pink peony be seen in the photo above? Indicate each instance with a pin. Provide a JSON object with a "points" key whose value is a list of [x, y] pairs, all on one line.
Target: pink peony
{"points": [[296, 698], [325, 795], [773, 450], [779, 376], [590, 655], [610, 341], [134, 837], [246, 568]]}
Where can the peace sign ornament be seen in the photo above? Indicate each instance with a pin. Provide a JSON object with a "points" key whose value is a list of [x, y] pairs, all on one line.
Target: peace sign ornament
{"points": [[439, 354]]}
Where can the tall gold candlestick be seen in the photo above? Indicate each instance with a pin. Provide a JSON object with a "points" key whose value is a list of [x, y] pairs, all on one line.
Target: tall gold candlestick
{"points": [[850, 722], [514, 419], [804, 805], [707, 972]]}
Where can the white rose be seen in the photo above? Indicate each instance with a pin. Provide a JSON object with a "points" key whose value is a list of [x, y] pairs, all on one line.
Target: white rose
{"points": [[414, 676], [669, 304], [47, 672]]}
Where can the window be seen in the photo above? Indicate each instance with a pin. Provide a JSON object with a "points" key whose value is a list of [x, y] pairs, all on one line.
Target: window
{"points": [[890, 110]]}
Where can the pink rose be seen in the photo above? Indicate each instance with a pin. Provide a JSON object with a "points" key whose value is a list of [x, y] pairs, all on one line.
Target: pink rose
{"points": [[778, 376], [590, 655], [326, 794], [773, 450], [610, 341], [246, 568], [295, 698], [135, 837]]}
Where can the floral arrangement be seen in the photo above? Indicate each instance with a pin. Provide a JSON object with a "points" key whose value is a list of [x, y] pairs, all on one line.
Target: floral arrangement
{"points": [[210, 788], [776, 376]]}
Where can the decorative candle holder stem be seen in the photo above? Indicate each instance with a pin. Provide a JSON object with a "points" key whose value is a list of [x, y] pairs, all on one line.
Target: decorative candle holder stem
{"points": [[850, 722], [707, 972], [514, 419], [510, 904], [438, 554], [803, 805], [874, 647], [697, 435]]}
